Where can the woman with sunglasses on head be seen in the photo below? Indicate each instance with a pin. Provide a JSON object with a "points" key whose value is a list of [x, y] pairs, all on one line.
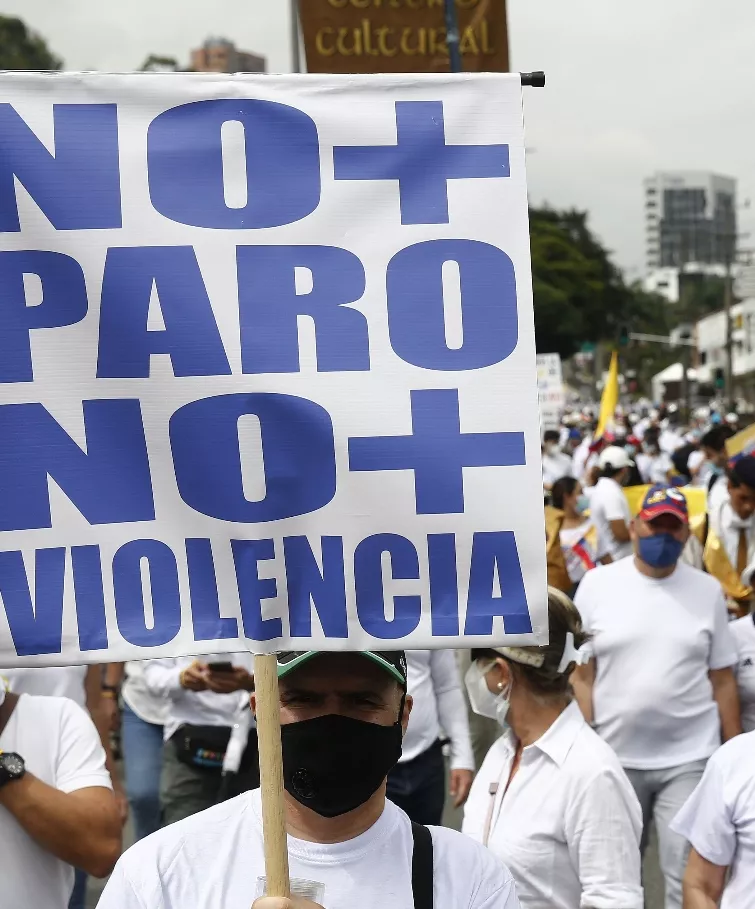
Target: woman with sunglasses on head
{"points": [[551, 799]]}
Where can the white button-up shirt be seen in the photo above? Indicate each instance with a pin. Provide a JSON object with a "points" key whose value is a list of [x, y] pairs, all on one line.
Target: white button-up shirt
{"points": [[200, 708], [718, 819], [433, 681], [569, 825]]}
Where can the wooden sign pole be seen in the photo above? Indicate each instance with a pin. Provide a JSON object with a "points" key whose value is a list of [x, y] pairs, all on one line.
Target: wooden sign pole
{"points": [[271, 775]]}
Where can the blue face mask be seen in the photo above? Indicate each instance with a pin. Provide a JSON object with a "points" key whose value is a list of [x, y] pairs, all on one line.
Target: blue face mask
{"points": [[659, 551], [582, 505]]}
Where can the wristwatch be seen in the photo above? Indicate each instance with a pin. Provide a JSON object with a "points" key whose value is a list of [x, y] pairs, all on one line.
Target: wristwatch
{"points": [[12, 767]]}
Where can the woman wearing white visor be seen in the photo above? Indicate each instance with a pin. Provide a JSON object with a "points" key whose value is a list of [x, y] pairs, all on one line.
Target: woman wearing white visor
{"points": [[551, 799]]}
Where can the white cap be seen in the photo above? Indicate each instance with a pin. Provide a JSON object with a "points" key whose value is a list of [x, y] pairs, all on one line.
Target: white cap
{"points": [[616, 457]]}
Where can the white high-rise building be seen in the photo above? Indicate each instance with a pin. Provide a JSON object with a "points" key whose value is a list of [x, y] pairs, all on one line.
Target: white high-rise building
{"points": [[690, 226]]}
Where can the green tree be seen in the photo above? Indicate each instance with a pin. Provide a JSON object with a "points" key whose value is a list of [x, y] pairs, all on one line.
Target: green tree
{"points": [[580, 294], [21, 48], [157, 64]]}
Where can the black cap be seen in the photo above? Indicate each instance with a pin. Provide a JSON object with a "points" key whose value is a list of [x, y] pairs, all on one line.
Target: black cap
{"points": [[393, 661], [742, 470]]}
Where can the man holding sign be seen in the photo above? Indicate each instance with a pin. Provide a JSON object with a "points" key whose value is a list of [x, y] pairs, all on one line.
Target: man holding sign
{"points": [[278, 395], [343, 717]]}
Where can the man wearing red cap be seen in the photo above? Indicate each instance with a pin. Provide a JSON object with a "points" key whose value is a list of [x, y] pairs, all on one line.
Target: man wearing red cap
{"points": [[660, 688]]}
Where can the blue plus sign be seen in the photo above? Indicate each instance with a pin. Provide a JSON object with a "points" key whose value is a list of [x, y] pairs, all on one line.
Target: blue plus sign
{"points": [[437, 451], [421, 162]]}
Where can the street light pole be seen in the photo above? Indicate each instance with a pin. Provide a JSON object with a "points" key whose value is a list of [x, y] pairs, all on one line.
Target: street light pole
{"points": [[452, 35], [728, 294], [295, 50]]}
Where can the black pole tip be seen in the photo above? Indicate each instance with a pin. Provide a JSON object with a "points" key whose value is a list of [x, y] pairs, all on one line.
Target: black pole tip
{"points": [[535, 80]]}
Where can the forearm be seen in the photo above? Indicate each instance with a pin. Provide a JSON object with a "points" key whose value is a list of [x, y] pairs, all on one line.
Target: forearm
{"points": [[694, 898], [114, 673], [727, 699], [81, 833], [163, 678]]}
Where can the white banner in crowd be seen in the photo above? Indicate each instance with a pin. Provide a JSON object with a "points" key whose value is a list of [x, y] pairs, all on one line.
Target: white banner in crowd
{"points": [[550, 387], [267, 366]]}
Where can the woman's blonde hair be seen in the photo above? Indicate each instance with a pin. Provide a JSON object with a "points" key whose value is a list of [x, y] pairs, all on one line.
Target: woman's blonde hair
{"points": [[538, 667]]}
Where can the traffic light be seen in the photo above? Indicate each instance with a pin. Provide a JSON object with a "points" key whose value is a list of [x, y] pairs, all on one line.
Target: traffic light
{"points": [[623, 336], [719, 379]]}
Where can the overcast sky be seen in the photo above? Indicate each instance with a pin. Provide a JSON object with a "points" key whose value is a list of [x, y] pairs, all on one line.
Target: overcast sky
{"points": [[632, 87]]}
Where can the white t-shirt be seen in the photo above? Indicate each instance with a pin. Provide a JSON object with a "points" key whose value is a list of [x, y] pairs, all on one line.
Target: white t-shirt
{"points": [[654, 642], [569, 825], [718, 494], [147, 706], [61, 747], [214, 858], [608, 503], [200, 708], [718, 819], [54, 681], [556, 465], [655, 468], [696, 466], [744, 637], [433, 681]]}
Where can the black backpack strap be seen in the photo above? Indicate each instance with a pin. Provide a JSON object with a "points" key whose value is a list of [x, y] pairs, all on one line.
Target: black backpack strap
{"points": [[422, 867]]}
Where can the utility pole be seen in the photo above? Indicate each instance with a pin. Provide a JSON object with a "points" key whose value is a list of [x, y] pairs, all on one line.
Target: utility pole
{"points": [[728, 294], [295, 49], [452, 35]]}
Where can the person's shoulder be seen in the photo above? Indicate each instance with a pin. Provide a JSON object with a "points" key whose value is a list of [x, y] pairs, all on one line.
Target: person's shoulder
{"points": [[605, 575], [737, 753], [591, 756], [465, 863], [706, 587], [154, 856], [47, 708]]}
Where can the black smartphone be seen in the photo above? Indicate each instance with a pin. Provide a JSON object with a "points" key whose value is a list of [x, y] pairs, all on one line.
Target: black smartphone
{"points": [[220, 667]]}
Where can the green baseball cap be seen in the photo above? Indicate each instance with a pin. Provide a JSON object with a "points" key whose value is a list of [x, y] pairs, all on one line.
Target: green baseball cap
{"points": [[392, 661]]}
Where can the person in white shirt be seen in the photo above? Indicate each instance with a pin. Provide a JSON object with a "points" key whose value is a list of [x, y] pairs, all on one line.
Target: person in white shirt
{"points": [[551, 799], [609, 508], [57, 808], [660, 688], [718, 821], [84, 686], [556, 463], [342, 716], [579, 541], [713, 444], [205, 696], [670, 438], [141, 722], [743, 631], [654, 464], [417, 784], [733, 522]]}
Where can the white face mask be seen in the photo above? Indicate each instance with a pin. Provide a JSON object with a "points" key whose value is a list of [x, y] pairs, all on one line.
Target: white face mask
{"points": [[483, 701]]}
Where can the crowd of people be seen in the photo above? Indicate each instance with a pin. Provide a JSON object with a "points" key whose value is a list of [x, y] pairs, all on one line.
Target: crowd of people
{"points": [[640, 711]]}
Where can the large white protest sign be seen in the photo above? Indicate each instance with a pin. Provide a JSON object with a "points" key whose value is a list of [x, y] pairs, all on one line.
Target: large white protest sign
{"points": [[550, 387], [267, 366]]}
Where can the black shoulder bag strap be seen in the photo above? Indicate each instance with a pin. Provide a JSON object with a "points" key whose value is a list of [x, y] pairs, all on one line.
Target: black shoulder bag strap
{"points": [[6, 709], [422, 867]]}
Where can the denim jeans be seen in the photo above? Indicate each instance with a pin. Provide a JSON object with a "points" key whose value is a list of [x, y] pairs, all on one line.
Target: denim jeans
{"points": [[79, 892], [418, 786], [142, 745], [661, 794]]}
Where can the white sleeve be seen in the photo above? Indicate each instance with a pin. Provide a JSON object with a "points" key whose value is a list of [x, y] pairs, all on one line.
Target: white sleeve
{"points": [[163, 677], [723, 650], [615, 506], [504, 898], [603, 825], [81, 757], [119, 892], [452, 709], [583, 600], [705, 819]]}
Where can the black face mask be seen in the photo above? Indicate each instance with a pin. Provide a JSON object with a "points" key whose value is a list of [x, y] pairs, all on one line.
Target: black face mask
{"points": [[333, 764]]}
